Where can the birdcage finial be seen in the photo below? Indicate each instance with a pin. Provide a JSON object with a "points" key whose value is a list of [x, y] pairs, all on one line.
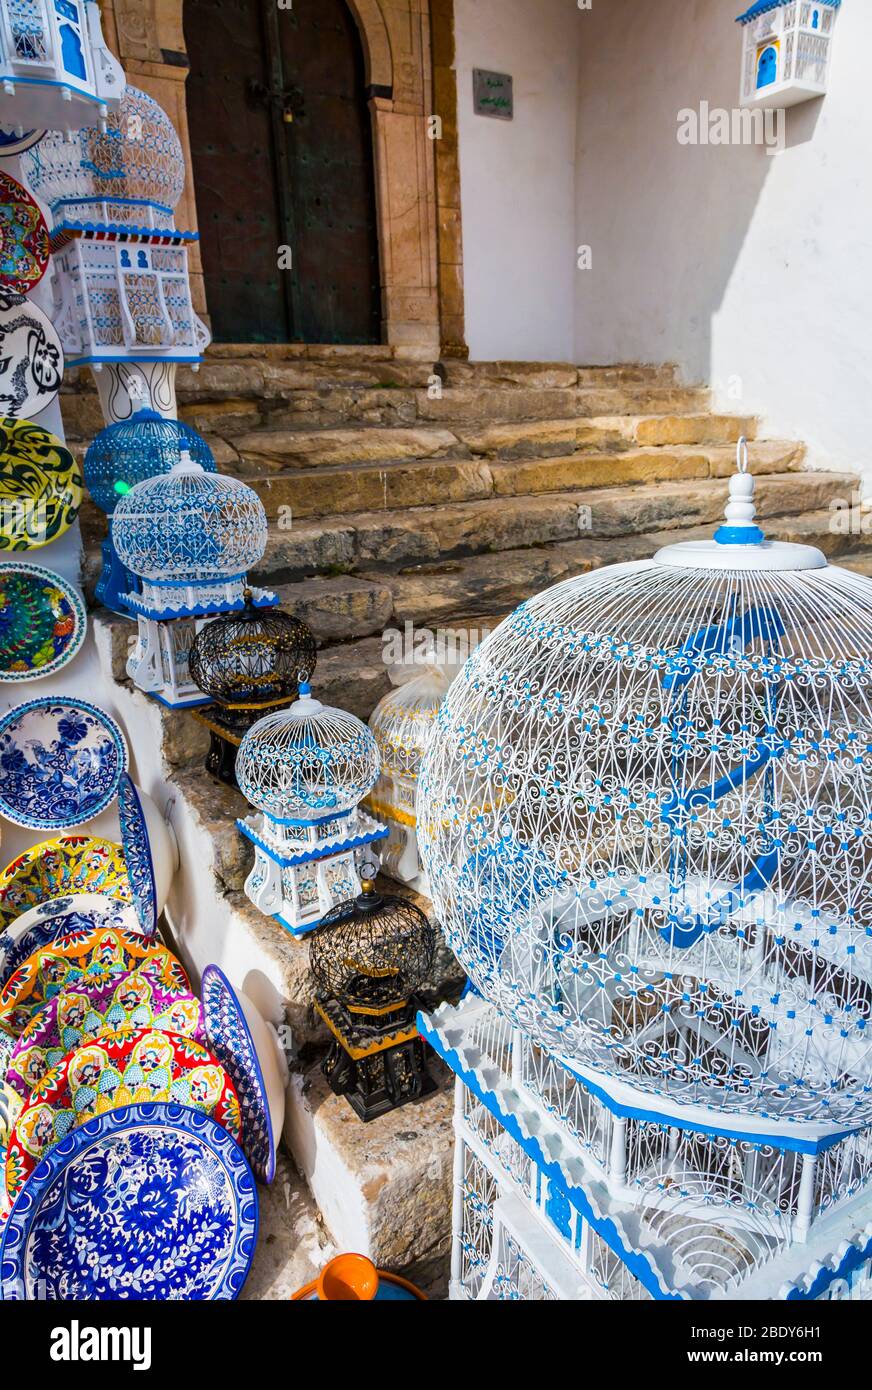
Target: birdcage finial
{"points": [[741, 510]]}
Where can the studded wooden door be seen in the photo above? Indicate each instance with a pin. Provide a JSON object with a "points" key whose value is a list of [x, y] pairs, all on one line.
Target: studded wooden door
{"points": [[281, 147]]}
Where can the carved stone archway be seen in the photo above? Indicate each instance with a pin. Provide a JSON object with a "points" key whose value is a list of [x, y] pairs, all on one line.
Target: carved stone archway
{"points": [[410, 77]]}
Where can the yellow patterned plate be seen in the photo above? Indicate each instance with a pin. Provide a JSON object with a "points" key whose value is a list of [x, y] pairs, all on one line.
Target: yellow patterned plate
{"points": [[60, 868], [40, 486]]}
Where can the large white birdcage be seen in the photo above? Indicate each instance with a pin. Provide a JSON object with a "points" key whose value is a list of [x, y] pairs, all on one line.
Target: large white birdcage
{"points": [[56, 72], [646, 817]]}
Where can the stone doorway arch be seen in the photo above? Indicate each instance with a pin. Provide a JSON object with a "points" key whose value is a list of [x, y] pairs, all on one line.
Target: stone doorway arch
{"points": [[410, 78]]}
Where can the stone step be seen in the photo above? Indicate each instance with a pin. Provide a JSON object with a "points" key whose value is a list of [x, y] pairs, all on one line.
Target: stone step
{"points": [[397, 539], [858, 561], [391, 486]]}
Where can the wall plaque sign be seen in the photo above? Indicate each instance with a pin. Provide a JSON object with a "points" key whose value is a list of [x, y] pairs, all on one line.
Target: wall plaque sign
{"points": [[492, 94]]}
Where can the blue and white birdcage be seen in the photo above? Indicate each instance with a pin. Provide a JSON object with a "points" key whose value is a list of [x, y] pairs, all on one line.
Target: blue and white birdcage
{"points": [[189, 538], [122, 455], [646, 818], [120, 269], [305, 770], [56, 72], [786, 50]]}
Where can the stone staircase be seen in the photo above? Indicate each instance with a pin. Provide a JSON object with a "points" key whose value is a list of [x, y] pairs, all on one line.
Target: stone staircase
{"points": [[399, 494]]}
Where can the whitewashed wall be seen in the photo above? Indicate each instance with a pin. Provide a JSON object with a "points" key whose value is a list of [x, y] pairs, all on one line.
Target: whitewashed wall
{"points": [[518, 178], [740, 267]]}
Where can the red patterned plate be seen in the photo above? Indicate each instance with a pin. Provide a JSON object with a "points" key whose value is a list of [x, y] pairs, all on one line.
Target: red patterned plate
{"points": [[24, 240], [116, 1070]]}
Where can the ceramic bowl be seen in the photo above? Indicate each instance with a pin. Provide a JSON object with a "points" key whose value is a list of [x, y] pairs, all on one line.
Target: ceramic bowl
{"points": [[59, 868], [129, 1181], [83, 1011], [145, 1066], [93, 955], [42, 621], [39, 926], [60, 763], [249, 1048]]}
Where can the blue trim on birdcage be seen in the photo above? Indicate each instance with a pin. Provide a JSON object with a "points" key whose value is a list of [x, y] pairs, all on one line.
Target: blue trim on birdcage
{"points": [[854, 1258], [72, 85], [302, 822], [120, 231], [298, 930], [199, 610], [93, 199], [636, 1262], [194, 703], [328, 850], [132, 356], [739, 535], [764, 6]]}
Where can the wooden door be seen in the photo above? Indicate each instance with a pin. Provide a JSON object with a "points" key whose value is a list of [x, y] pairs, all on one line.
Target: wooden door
{"points": [[281, 148]]}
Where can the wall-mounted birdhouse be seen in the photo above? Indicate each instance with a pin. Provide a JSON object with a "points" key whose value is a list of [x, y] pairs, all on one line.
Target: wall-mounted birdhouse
{"points": [[786, 54], [56, 72]]}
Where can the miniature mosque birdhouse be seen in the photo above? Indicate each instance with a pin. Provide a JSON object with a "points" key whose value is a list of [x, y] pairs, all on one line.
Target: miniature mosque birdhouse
{"points": [[305, 770], [56, 72], [188, 537], [248, 664], [372, 956], [786, 50]]}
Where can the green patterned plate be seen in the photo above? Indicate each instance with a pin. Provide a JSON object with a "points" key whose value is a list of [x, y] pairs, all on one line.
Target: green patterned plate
{"points": [[42, 622], [40, 486]]}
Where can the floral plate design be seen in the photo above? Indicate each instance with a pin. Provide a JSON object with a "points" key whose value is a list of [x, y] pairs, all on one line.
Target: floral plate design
{"points": [[40, 486], [60, 763], [39, 926], [42, 622], [25, 250], [82, 1012], [60, 868], [83, 956], [230, 1039], [137, 854], [145, 1066], [31, 358], [145, 1180]]}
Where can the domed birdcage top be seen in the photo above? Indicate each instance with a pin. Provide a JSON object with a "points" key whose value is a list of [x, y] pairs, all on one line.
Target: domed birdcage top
{"points": [[130, 451], [307, 763], [373, 952], [646, 818], [253, 658], [188, 526], [137, 159], [404, 719]]}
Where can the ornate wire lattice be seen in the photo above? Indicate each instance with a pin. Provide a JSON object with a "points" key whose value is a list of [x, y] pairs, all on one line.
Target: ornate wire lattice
{"points": [[308, 763], [253, 658], [373, 953], [130, 451], [646, 817], [189, 527]]}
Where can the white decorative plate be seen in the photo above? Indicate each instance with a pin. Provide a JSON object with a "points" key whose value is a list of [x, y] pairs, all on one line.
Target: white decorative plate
{"points": [[60, 763]]}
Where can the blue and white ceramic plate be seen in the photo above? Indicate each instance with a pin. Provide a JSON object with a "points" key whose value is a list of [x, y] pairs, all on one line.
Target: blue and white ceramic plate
{"points": [[229, 1037], [12, 143], [60, 763], [81, 912], [148, 1202], [137, 853]]}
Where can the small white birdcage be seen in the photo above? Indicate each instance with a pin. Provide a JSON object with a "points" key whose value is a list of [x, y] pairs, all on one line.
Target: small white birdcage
{"points": [[56, 72], [188, 537], [786, 50], [646, 819], [403, 722], [305, 770]]}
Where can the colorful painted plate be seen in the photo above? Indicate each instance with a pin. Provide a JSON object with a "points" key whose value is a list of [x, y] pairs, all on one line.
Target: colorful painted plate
{"points": [[137, 854], [229, 1036], [31, 358], [58, 869], [39, 926], [12, 143], [40, 486], [120, 1005], [101, 1075], [89, 956], [60, 763], [25, 249], [147, 1178], [42, 622]]}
